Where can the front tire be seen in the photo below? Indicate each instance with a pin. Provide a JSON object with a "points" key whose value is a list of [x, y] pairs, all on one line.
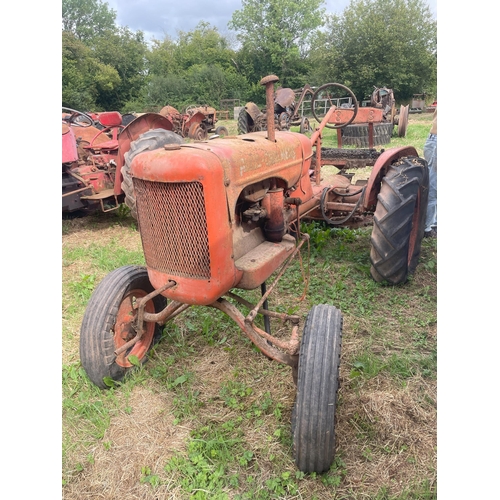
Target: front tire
{"points": [[221, 131], [313, 416], [399, 221], [149, 141], [108, 323]]}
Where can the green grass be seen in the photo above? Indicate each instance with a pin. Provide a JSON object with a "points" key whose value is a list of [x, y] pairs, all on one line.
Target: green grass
{"points": [[233, 406]]}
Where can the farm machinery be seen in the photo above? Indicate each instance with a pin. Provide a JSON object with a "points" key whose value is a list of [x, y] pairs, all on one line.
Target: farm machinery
{"points": [[374, 123], [94, 152], [195, 123], [223, 216], [285, 111]]}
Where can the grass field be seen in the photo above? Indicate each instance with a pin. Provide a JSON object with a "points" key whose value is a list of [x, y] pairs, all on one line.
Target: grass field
{"points": [[208, 416]]}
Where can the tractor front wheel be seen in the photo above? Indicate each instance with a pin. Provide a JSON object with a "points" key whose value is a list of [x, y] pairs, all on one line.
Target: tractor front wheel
{"points": [[313, 415], [399, 221], [149, 141], [221, 131], [109, 322]]}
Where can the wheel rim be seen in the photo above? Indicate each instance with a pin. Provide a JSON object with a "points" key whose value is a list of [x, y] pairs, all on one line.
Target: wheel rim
{"points": [[124, 328]]}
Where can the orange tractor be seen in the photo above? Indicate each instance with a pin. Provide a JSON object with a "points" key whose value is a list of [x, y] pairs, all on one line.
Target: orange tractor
{"points": [[223, 215]]}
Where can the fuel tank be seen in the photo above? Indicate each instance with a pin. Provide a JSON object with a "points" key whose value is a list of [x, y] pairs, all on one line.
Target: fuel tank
{"points": [[186, 200]]}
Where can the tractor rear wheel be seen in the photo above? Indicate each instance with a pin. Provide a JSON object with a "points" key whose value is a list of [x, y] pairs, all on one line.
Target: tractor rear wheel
{"points": [[149, 141], [245, 122], [197, 132], [313, 415], [399, 221], [109, 322]]}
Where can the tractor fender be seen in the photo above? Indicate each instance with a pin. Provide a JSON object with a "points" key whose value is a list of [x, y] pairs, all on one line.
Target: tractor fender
{"points": [[253, 110], [69, 150], [379, 170], [197, 117], [130, 133]]}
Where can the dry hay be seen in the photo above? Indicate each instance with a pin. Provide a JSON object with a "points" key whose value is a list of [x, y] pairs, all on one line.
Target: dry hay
{"points": [[144, 437], [399, 425]]}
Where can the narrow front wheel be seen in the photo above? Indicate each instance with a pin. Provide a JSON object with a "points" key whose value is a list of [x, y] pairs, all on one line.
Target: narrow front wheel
{"points": [[313, 416], [109, 323]]}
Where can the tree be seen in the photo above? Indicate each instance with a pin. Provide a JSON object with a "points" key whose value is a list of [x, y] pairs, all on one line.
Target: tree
{"points": [[87, 19], [84, 76], [125, 51], [275, 36], [390, 43]]}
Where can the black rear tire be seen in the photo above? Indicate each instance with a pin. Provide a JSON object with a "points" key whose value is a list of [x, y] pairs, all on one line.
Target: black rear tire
{"points": [[399, 221], [245, 123], [108, 323], [313, 416], [149, 141]]}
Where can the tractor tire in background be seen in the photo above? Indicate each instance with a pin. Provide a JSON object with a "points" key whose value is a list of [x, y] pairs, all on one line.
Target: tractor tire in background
{"points": [[357, 135], [305, 126], [403, 120], [149, 141], [313, 414], [197, 132], [221, 131], [108, 323], [245, 123], [399, 221]]}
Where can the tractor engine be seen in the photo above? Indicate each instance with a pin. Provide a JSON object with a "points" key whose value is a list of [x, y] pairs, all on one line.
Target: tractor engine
{"points": [[214, 215]]}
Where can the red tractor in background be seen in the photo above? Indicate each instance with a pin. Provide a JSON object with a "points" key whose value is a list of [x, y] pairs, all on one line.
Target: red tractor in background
{"points": [[195, 123], [223, 215], [94, 153], [286, 111]]}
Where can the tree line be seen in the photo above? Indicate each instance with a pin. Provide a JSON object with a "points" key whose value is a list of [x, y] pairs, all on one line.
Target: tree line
{"points": [[372, 43]]}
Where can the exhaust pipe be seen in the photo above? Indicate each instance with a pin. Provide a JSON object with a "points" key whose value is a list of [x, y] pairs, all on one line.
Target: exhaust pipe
{"points": [[268, 82]]}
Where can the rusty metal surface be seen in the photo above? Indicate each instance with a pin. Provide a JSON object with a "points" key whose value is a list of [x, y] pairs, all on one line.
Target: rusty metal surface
{"points": [[253, 110], [385, 159], [402, 121], [364, 115], [284, 97]]}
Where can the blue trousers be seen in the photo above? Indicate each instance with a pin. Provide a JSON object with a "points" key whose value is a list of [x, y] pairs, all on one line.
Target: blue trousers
{"points": [[430, 155]]}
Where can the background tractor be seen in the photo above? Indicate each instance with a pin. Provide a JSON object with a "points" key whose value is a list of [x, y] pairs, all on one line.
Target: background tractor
{"points": [[374, 123], [195, 123], [94, 152], [223, 216], [286, 111]]}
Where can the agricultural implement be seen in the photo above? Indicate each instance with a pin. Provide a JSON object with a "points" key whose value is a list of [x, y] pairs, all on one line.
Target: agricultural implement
{"points": [[94, 153], [224, 215], [195, 123], [374, 124]]}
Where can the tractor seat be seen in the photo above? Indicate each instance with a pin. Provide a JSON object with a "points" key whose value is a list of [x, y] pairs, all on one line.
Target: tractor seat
{"points": [[111, 120]]}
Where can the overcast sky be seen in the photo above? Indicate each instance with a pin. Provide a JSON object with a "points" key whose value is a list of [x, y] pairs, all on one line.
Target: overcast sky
{"points": [[157, 18]]}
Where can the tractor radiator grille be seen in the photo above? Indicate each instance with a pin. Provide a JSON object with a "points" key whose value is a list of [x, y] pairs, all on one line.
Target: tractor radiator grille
{"points": [[173, 227]]}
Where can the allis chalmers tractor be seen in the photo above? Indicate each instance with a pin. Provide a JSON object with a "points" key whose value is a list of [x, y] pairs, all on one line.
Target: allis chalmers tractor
{"points": [[94, 153], [225, 215], [286, 112], [196, 123]]}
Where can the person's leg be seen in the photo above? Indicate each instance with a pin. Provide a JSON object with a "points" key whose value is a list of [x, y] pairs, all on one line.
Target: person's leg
{"points": [[430, 155]]}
